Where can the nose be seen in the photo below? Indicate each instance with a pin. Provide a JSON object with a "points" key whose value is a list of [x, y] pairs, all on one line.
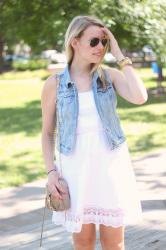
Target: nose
{"points": [[101, 45]]}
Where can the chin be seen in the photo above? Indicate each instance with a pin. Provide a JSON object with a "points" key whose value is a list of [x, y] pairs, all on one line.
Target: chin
{"points": [[96, 60]]}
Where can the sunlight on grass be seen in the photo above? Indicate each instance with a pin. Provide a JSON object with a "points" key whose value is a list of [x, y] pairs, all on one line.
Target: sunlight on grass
{"points": [[17, 94], [144, 125], [27, 74], [21, 159], [20, 129]]}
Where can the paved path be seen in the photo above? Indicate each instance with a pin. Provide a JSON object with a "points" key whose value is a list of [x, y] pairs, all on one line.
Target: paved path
{"points": [[22, 208]]}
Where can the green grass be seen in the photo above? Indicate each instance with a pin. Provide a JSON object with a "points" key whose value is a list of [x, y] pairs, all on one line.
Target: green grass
{"points": [[20, 132], [144, 125], [22, 75], [20, 127]]}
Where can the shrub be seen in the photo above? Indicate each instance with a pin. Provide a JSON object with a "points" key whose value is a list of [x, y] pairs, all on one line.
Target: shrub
{"points": [[31, 64]]}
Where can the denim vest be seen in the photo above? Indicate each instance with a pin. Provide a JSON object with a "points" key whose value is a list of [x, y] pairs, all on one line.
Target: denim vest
{"points": [[68, 108]]}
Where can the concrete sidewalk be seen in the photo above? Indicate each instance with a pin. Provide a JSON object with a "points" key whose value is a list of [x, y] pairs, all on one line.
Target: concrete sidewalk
{"points": [[22, 208]]}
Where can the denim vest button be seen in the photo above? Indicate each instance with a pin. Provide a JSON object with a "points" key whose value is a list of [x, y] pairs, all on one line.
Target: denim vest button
{"points": [[69, 84]]}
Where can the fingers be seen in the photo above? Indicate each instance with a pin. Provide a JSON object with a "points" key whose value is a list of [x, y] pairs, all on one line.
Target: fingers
{"points": [[54, 192], [57, 190], [107, 32], [60, 188]]}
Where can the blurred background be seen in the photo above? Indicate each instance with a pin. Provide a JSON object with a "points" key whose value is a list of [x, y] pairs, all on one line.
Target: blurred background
{"points": [[31, 49]]}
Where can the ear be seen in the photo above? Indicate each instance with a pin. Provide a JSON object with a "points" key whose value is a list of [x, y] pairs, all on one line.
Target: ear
{"points": [[74, 43]]}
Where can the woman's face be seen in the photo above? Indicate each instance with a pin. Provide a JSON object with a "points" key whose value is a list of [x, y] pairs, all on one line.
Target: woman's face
{"points": [[83, 48]]}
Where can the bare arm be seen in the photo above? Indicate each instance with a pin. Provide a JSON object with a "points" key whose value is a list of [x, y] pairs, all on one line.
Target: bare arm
{"points": [[48, 99], [128, 84], [48, 105]]}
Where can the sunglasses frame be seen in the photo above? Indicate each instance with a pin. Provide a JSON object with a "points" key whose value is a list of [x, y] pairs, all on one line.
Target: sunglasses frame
{"points": [[99, 40]]}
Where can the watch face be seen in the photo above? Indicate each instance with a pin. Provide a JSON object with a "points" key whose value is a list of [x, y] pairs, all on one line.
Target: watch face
{"points": [[126, 60]]}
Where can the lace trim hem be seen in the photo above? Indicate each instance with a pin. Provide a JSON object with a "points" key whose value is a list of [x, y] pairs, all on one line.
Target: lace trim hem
{"points": [[108, 217]]}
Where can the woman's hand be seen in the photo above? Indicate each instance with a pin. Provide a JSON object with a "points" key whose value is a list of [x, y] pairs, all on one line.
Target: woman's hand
{"points": [[54, 185], [115, 50]]}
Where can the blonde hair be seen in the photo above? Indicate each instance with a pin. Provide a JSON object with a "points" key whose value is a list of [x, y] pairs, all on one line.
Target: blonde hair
{"points": [[76, 29]]}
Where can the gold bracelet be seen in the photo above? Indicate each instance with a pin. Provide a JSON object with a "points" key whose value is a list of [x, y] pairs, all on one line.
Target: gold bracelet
{"points": [[125, 61]]}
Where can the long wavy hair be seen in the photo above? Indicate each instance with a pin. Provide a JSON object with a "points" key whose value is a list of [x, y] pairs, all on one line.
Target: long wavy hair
{"points": [[76, 29]]}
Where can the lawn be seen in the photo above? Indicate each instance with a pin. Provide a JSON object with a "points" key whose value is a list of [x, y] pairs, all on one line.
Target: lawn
{"points": [[20, 125], [145, 125]]}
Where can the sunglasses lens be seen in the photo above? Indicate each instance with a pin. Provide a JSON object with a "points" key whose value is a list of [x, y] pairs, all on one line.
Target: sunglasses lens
{"points": [[104, 42], [94, 42]]}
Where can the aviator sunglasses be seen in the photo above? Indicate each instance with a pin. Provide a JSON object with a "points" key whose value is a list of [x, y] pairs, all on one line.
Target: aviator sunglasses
{"points": [[95, 41]]}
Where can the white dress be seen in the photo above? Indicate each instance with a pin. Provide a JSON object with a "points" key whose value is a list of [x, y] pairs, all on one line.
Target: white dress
{"points": [[101, 181]]}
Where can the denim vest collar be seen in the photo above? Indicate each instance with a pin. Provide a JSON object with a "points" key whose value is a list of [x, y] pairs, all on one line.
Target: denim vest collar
{"points": [[68, 81]]}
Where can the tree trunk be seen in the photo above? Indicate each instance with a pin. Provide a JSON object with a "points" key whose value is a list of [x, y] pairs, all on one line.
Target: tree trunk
{"points": [[160, 78], [1, 53]]}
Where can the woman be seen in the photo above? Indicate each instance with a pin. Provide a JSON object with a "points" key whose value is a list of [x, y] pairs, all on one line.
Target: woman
{"points": [[94, 155]]}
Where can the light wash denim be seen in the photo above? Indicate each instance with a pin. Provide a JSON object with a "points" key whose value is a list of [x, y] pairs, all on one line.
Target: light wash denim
{"points": [[68, 108]]}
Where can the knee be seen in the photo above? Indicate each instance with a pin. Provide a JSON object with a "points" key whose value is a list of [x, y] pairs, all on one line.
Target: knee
{"points": [[112, 238], [84, 242], [86, 238], [110, 245]]}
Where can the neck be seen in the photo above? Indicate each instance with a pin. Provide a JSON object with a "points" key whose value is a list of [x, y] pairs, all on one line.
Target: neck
{"points": [[77, 69]]}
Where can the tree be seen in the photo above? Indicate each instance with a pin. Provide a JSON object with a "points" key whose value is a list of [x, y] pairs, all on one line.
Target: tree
{"points": [[136, 23], [42, 24]]}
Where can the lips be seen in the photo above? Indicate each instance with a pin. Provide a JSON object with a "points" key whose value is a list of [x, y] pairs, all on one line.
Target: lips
{"points": [[97, 54]]}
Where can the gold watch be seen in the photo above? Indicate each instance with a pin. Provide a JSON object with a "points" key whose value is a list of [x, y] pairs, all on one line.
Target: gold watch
{"points": [[125, 61]]}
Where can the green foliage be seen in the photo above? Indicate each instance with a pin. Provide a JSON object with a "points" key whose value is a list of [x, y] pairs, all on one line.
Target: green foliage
{"points": [[136, 23], [31, 64], [42, 24]]}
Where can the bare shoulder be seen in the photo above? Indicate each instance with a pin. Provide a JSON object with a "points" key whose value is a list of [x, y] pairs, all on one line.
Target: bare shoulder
{"points": [[49, 88], [50, 83]]}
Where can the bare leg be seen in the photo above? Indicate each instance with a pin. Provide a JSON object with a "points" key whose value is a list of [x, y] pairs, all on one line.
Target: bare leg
{"points": [[112, 238], [86, 239]]}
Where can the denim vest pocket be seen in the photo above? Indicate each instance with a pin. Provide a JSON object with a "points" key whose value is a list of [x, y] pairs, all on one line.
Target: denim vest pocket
{"points": [[106, 95]]}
